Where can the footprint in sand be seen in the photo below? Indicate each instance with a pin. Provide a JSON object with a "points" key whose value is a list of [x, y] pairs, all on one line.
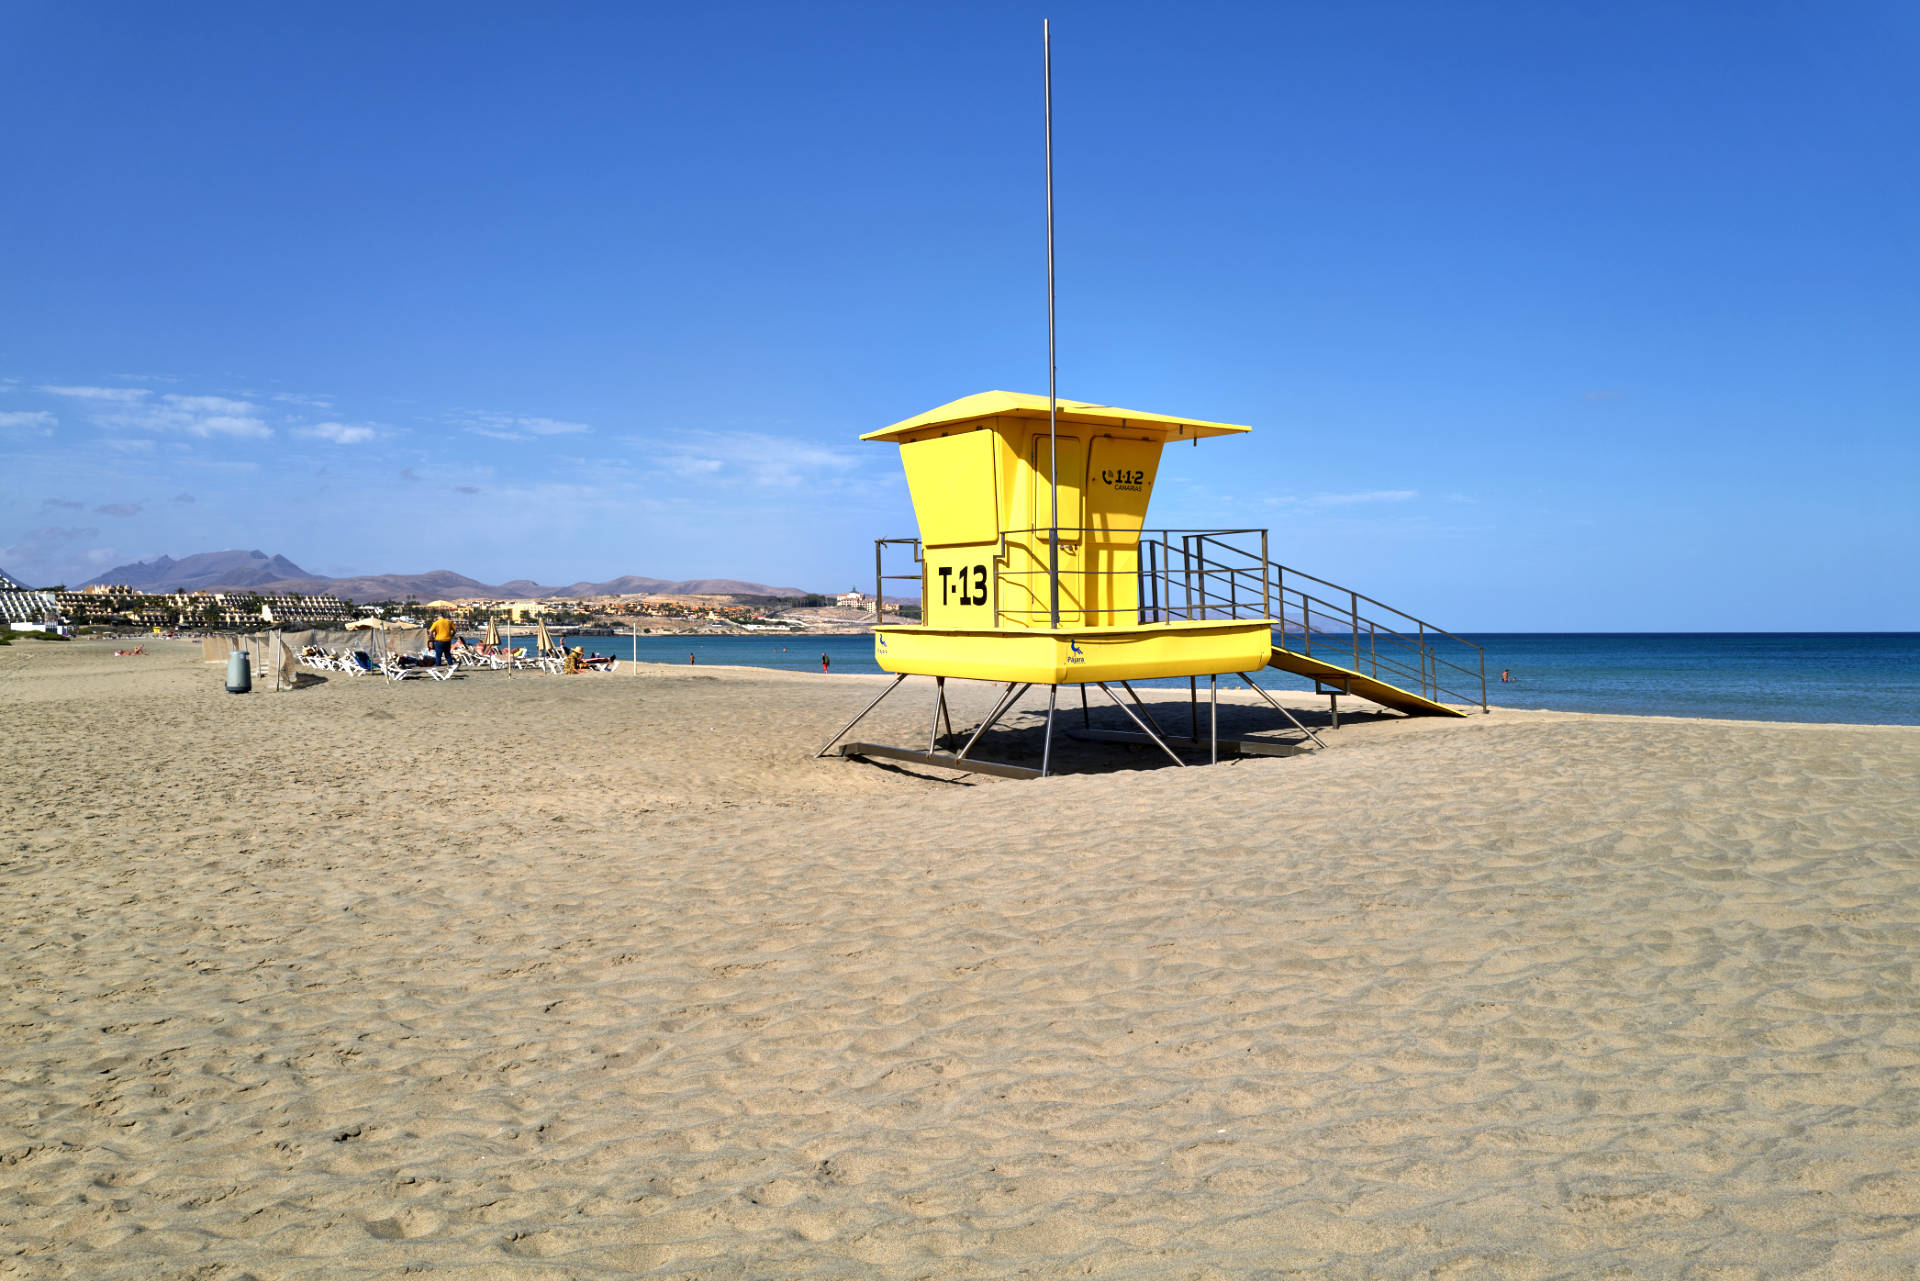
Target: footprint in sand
{"points": [[414, 1221]]}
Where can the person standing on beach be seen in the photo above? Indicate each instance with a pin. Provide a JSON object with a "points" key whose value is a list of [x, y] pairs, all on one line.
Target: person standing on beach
{"points": [[824, 664], [441, 632]]}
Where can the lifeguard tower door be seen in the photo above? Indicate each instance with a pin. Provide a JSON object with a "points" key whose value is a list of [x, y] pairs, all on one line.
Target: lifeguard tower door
{"points": [[1072, 475]]}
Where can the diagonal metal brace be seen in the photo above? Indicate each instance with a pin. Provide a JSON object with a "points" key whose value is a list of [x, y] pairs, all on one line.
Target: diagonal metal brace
{"points": [[1142, 724], [1001, 708], [1142, 706], [862, 716], [1283, 711]]}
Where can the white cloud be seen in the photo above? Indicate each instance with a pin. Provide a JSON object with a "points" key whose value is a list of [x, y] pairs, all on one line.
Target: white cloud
{"points": [[1352, 499], [120, 395], [309, 402], [138, 409], [514, 427], [202, 416], [27, 419], [687, 465], [552, 426], [1365, 496], [339, 433], [752, 458], [209, 404]]}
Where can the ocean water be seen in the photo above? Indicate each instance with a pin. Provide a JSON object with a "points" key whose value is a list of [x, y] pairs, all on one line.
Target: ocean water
{"points": [[1867, 678], [1861, 678]]}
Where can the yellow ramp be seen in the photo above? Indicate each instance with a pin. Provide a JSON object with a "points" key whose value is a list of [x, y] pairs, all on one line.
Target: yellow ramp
{"points": [[1348, 681]]}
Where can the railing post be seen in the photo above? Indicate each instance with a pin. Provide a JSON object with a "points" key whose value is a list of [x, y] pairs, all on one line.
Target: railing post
{"points": [[1423, 657], [1353, 609], [1160, 567], [1483, 679], [879, 582], [1233, 589], [1200, 554], [1280, 594], [1142, 575], [1186, 572], [1266, 598], [1164, 576]]}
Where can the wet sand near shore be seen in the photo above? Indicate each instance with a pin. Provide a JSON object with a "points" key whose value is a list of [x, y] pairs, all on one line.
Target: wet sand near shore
{"points": [[604, 976]]}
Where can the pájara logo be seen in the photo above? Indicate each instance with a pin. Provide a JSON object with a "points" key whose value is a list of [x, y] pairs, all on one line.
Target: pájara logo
{"points": [[880, 640], [1133, 479], [1076, 656]]}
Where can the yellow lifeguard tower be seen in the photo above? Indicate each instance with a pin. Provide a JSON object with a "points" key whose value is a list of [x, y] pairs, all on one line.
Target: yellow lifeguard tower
{"points": [[1037, 570]]}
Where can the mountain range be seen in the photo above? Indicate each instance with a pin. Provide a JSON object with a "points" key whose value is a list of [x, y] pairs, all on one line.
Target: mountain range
{"points": [[258, 572]]}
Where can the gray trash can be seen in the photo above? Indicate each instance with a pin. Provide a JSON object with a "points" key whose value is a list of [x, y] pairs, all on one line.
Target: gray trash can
{"points": [[239, 675]]}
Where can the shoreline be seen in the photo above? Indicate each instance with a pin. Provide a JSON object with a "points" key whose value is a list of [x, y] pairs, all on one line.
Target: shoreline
{"points": [[1296, 700]]}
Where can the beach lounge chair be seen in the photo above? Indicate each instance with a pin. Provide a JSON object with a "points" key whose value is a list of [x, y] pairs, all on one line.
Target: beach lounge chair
{"points": [[319, 659]]}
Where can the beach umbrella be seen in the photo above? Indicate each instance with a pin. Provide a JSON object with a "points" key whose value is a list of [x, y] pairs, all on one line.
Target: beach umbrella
{"points": [[493, 633], [545, 638]]}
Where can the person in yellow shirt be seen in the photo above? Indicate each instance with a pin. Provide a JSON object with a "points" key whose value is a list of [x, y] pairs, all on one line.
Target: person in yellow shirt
{"points": [[440, 631]]}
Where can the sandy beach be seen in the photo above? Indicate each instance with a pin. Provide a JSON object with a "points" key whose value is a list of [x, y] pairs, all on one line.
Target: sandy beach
{"points": [[605, 976]]}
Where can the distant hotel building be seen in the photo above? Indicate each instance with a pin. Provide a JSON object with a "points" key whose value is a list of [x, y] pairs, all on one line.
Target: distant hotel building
{"points": [[21, 604], [110, 603]]}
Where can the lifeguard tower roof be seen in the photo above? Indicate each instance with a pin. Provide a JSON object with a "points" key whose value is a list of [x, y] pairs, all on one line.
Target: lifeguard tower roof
{"points": [[1013, 404]]}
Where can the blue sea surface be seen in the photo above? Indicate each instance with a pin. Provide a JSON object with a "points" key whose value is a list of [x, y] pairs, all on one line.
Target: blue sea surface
{"points": [[1861, 678], [1866, 678]]}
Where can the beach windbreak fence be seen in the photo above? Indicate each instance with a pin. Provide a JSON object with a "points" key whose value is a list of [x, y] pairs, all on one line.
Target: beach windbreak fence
{"points": [[264, 654], [1120, 578]]}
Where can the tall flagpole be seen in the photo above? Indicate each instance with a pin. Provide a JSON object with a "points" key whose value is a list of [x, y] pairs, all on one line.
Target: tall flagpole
{"points": [[1053, 431]]}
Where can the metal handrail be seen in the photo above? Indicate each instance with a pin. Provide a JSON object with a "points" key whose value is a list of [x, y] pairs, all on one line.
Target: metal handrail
{"points": [[1426, 677], [1283, 569], [1333, 612]]}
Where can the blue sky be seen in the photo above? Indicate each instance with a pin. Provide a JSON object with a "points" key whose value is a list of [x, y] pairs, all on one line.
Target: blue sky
{"points": [[1546, 317]]}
